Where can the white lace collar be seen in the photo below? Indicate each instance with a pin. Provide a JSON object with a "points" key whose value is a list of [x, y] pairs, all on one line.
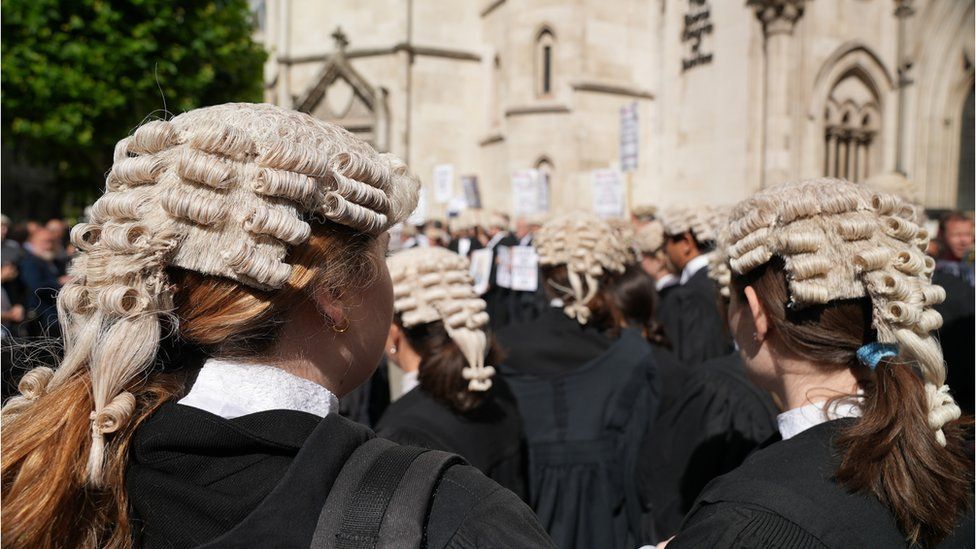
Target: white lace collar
{"points": [[232, 389], [795, 421]]}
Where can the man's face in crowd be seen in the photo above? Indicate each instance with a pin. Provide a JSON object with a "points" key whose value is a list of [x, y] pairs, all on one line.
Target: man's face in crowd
{"points": [[43, 241], [959, 237]]}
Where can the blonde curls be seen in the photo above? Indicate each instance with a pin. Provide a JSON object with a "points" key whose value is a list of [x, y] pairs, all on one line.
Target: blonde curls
{"points": [[84, 236], [205, 169]]}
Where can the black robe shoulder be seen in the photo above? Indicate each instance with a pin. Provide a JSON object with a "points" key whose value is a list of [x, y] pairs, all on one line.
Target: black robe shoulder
{"points": [[785, 496], [551, 343], [489, 437], [692, 322], [715, 419], [260, 480]]}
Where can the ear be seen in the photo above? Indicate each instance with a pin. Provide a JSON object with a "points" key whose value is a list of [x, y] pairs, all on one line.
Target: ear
{"points": [[330, 307], [394, 336], [689, 241], [759, 318]]}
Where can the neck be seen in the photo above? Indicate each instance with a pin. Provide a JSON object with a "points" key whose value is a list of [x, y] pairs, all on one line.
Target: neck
{"points": [[407, 359], [687, 261], [800, 383]]}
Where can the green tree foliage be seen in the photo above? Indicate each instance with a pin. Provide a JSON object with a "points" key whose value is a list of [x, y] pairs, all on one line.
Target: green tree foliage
{"points": [[78, 75]]}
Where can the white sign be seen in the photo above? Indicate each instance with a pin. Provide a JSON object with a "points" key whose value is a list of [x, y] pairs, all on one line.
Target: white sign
{"points": [[443, 183], [525, 269], [629, 137], [503, 257], [481, 269], [530, 193], [456, 205], [608, 193], [472, 195], [419, 215]]}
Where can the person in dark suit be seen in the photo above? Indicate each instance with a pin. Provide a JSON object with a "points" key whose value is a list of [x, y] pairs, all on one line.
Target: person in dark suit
{"points": [[464, 238], [497, 297], [444, 407], [689, 310], [586, 388], [41, 277]]}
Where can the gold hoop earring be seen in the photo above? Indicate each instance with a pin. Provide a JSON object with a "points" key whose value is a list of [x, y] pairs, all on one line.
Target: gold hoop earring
{"points": [[337, 329]]}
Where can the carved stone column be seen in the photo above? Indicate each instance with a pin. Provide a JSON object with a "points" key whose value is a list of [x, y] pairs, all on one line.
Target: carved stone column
{"points": [[778, 18], [904, 10]]}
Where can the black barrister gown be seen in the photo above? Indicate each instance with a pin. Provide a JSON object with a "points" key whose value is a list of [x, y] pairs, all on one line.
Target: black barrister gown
{"points": [[260, 480], [785, 496], [488, 437], [692, 322], [956, 337], [708, 428], [584, 411]]}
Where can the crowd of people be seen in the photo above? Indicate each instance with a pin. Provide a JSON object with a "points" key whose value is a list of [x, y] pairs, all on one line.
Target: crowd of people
{"points": [[795, 370], [35, 259]]}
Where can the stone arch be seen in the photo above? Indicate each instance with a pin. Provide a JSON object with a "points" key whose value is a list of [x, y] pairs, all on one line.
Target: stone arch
{"points": [[341, 95], [850, 123], [942, 77], [545, 61], [546, 173]]}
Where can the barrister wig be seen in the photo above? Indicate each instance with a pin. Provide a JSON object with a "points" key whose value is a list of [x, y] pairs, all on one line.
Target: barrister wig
{"points": [[627, 234], [842, 241], [225, 191], [433, 284], [644, 212], [698, 220], [589, 247], [650, 237], [718, 264]]}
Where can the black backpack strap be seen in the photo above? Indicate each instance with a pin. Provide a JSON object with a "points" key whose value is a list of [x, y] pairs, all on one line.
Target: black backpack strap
{"points": [[381, 497]]}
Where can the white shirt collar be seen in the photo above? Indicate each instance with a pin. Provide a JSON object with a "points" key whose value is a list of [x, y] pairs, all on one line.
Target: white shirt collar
{"points": [[409, 381], [231, 389], [795, 421], [665, 281], [693, 267]]}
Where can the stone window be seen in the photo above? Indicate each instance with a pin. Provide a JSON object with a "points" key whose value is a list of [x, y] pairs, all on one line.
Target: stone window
{"points": [[544, 168], [545, 49], [497, 92], [851, 122]]}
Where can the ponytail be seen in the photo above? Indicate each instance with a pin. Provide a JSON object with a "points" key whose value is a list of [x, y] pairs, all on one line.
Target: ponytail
{"points": [[46, 499], [891, 453]]}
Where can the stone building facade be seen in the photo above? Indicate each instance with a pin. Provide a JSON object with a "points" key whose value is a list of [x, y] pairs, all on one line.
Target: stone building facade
{"points": [[730, 95]]}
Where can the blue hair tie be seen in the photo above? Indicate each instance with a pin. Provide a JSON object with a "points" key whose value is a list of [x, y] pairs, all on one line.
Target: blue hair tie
{"points": [[873, 353]]}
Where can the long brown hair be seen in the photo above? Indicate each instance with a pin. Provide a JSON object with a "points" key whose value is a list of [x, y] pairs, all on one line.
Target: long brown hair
{"points": [[441, 365], [890, 452], [46, 500], [635, 297]]}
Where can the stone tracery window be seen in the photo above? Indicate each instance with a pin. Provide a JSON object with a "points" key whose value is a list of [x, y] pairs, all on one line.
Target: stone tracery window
{"points": [[852, 120], [545, 50]]}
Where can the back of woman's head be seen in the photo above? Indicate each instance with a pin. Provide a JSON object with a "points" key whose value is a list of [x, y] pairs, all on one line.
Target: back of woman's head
{"points": [[839, 272], [214, 225], [579, 254], [444, 321], [442, 365], [634, 296]]}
